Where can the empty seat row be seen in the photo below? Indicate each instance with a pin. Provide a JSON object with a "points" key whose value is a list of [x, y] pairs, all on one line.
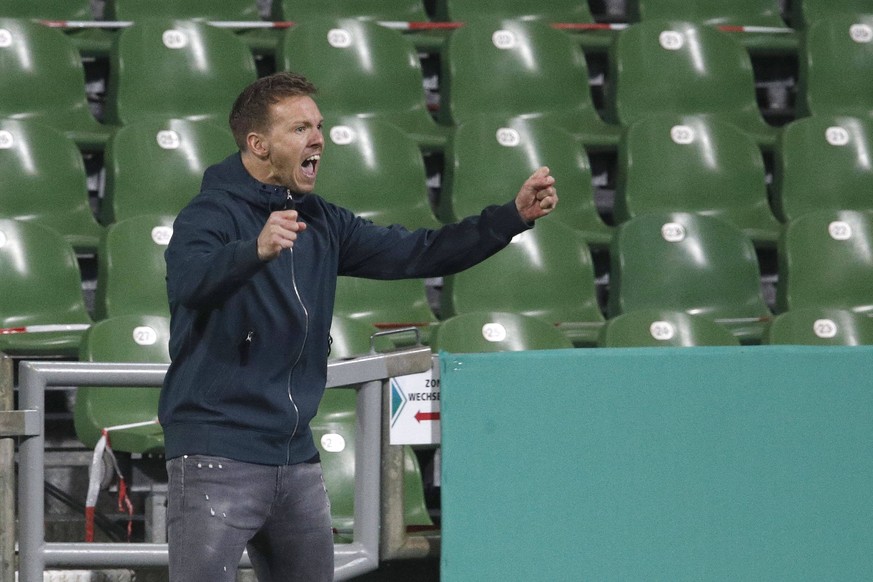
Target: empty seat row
{"points": [[162, 68], [676, 261], [733, 12], [807, 326], [664, 163]]}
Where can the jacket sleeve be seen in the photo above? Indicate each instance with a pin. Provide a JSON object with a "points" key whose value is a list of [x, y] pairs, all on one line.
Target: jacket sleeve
{"points": [[393, 252], [205, 262]]}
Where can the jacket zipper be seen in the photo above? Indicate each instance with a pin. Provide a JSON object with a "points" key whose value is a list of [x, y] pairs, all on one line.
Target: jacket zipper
{"points": [[299, 355]]}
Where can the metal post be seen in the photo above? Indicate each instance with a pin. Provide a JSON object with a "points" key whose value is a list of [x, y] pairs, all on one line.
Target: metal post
{"points": [[396, 544], [7, 476], [31, 479]]}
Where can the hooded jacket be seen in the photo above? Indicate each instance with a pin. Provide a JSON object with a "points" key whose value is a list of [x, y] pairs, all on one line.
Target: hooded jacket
{"points": [[249, 339]]}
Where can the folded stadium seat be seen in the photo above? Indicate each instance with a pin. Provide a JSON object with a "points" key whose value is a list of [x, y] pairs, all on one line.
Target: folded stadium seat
{"points": [[758, 24], [804, 12], [131, 271], [89, 41], [726, 12], [823, 162], [496, 331], [380, 10], [155, 166], [43, 78], [489, 157], [333, 429], [47, 9], [663, 328], [820, 327], [571, 11], [125, 339], [162, 68], [546, 272], [391, 304], [228, 10], [562, 13], [376, 170], [825, 260], [674, 163], [43, 310], [835, 58], [661, 66], [363, 69], [520, 68], [43, 179], [259, 40], [688, 262], [403, 15]]}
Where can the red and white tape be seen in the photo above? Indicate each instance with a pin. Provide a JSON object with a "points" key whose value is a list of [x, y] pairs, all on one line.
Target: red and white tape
{"points": [[44, 328], [96, 473], [395, 24]]}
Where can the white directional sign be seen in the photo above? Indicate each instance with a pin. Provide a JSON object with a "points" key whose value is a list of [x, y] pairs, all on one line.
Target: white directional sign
{"points": [[415, 409]]}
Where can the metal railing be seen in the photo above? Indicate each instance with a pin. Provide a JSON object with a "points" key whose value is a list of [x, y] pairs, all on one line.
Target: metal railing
{"points": [[375, 497]]}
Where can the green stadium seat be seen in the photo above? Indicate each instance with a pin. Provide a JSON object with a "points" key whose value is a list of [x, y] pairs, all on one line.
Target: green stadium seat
{"points": [[162, 68], [247, 12], [333, 429], [663, 328], [363, 69], [390, 304], [546, 272], [44, 79], [757, 24], [43, 179], [47, 9], [131, 272], [496, 331], [671, 163], [661, 66], [377, 171], [688, 262], [392, 13], [89, 41], [825, 260], [136, 10], [823, 163], [124, 339], [350, 338], [155, 166], [804, 12], [381, 10], [573, 11], [516, 68], [835, 57], [726, 12], [820, 327], [489, 157], [41, 286]]}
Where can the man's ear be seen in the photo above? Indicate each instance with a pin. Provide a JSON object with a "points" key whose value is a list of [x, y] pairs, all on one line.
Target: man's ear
{"points": [[257, 145]]}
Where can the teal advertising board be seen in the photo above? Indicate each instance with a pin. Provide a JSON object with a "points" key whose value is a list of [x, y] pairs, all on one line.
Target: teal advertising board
{"points": [[742, 463]]}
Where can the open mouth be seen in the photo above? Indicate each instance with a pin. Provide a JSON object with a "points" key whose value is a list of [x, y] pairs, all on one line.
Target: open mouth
{"points": [[310, 164]]}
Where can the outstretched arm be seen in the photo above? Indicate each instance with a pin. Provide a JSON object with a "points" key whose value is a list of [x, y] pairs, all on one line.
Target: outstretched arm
{"points": [[537, 197]]}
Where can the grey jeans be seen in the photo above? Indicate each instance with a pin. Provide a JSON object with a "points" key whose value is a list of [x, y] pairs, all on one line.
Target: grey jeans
{"points": [[218, 507]]}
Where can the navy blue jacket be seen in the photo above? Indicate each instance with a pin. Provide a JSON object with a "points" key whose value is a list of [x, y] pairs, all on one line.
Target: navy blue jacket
{"points": [[249, 339]]}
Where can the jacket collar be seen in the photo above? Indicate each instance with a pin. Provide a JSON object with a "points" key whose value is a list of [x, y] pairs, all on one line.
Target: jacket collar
{"points": [[230, 175]]}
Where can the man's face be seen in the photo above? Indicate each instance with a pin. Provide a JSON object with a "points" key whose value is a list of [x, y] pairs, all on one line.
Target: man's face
{"points": [[294, 143]]}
